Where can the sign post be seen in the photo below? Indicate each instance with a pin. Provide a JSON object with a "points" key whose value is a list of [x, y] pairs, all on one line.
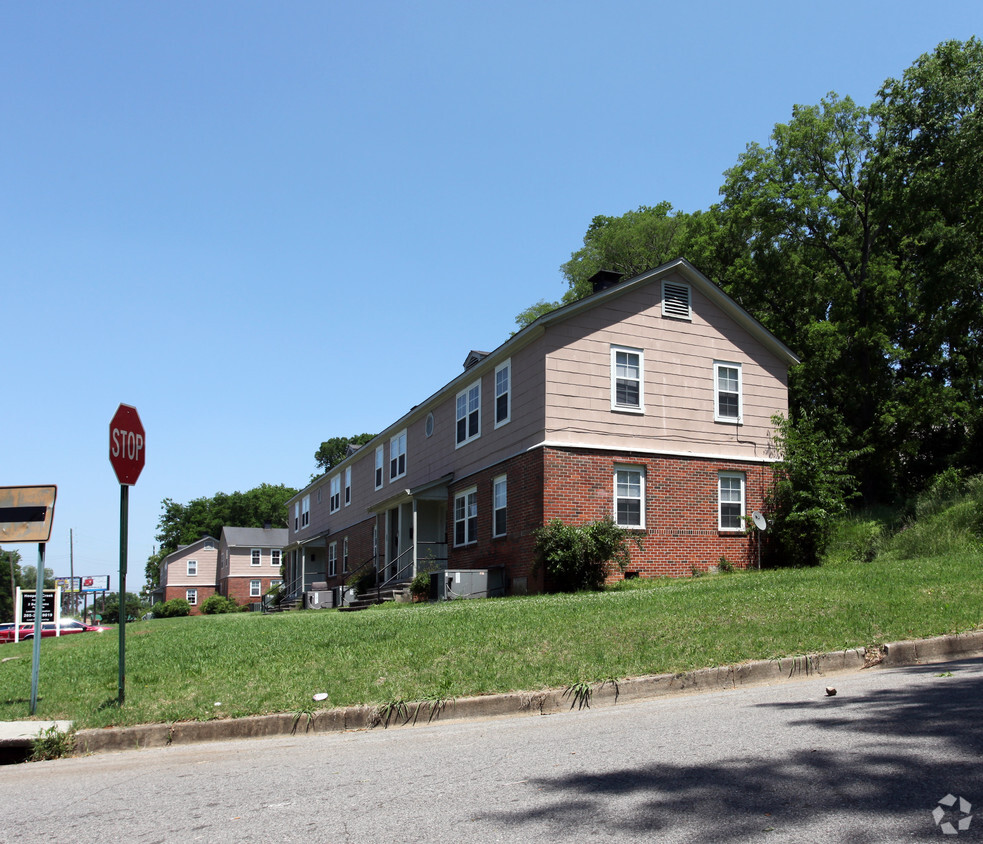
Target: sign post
{"points": [[127, 453], [26, 513]]}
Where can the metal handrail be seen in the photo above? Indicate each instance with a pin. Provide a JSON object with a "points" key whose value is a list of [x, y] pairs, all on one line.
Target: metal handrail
{"points": [[419, 564]]}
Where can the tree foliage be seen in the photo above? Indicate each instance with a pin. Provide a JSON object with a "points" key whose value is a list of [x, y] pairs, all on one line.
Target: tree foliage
{"points": [[181, 524], [11, 578], [108, 607], [856, 236], [580, 557], [333, 451]]}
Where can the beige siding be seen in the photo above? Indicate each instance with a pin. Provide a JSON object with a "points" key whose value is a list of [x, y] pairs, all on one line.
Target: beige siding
{"points": [[679, 389], [177, 567]]}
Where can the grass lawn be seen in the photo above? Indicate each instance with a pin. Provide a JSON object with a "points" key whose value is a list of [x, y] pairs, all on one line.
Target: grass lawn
{"points": [[244, 664]]}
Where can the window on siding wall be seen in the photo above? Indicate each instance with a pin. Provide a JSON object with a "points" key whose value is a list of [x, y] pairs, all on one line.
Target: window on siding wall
{"points": [[332, 559], [466, 517], [276, 557], [334, 501], [379, 461], [191, 596], [468, 414], [255, 557], [727, 384], [629, 496], [676, 300], [192, 568], [397, 456], [296, 515], [731, 501], [348, 486], [305, 511], [503, 393], [627, 379], [499, 506], [255, 588]]}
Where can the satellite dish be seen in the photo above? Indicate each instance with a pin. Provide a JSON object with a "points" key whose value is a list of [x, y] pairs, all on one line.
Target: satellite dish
{"points": [[760, 522]]}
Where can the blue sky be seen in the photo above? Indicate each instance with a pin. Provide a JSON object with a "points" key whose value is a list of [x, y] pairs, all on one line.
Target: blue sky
{"points": [[264, 224]]}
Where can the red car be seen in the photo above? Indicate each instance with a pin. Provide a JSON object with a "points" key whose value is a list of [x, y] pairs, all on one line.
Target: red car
{"points": [[67, 625]]}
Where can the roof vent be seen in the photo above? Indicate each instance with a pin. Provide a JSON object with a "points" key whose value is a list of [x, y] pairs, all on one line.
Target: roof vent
{"points": [[474, 357], [603, 279]]}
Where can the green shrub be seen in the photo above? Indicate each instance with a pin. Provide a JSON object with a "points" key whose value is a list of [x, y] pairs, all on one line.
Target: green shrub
{"points": [[363, 582], [578, 557], [420, 585], [171, 609], [218, 604]]}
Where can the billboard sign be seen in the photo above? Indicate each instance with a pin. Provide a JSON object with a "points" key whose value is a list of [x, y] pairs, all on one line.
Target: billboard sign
{"points": [[95, 583], [69, 584]]}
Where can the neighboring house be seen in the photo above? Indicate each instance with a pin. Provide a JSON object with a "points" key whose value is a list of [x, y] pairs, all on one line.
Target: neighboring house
{"points": [[249, 562], [649, 402], [190, 573], [243, 565]]}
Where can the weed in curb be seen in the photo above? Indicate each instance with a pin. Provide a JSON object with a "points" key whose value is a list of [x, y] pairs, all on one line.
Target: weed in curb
{"points": [[580, 694], [300, 714], [52, 743], [434, 704], [393, 710], [611, 681]]}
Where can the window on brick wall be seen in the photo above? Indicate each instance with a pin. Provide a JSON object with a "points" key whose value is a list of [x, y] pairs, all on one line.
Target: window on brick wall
{"points": [[255, 557], [466, 517], [627, 379], [731, 507], [629, 496], [499, 506], [191, 596], [255, 588], [344, 554], [192, 568], [332, 559], [728, 406]]}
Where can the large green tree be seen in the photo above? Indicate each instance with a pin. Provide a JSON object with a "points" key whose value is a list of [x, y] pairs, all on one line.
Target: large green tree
{"points": [[181, 524], [11, 578], [333, 451]]}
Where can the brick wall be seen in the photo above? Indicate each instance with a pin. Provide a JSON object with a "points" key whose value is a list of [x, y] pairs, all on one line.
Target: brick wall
{"points": [[171, 592], [681, 533]]}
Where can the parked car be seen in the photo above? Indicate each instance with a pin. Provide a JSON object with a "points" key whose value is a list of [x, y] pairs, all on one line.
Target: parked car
{"points": [[66, 625]]}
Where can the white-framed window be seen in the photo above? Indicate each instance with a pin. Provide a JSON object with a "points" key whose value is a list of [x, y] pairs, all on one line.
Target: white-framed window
{"points": [[348, 486], [379, 462], [344, 554], [731, 501], [728, 405], [275, 582], [192, 568], [466, 517], [500, 499], [305, 511], [468, 414], [255, 557], [627, 379], [334, 500], [276, 557], [255, 588], [676, 300], [191, 596], [503, 393], [629, 496], [397, 456], [332, 559], [296, 516]]}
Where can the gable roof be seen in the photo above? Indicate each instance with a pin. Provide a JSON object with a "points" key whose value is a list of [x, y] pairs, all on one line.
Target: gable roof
{"points": [[190, 547], [239, 537]]}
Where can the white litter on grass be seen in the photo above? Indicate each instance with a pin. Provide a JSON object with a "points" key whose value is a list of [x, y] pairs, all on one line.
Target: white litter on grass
{"points": [[218, 703], [321, 696]]}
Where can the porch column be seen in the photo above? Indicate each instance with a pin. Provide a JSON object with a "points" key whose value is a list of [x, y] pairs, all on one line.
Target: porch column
{"points": [[416, 534]]}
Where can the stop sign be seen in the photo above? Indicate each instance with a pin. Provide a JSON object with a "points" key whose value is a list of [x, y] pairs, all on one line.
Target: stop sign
{"points": [[127, 444]]}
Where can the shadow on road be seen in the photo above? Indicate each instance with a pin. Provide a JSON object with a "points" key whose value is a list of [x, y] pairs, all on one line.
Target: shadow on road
{"points": [[913, 746]]}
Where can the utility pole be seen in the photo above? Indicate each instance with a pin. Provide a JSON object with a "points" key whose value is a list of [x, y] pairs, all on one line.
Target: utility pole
{"points": [[71, 571]]}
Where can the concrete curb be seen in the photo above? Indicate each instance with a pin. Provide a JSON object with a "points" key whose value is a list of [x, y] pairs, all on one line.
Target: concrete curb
{"points": [[608, 693]]}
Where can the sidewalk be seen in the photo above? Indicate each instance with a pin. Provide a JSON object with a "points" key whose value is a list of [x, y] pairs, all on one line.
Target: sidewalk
{"points": [[20, 734]]}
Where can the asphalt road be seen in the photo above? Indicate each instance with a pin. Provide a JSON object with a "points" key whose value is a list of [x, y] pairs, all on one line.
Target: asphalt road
{"points": [[776, 763]]}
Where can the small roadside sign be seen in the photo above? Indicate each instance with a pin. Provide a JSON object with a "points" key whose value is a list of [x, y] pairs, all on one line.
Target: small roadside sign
{"points": [[26, 513]]}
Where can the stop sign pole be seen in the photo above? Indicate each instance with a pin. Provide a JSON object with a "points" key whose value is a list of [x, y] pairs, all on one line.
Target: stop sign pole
{"points": [[127, 453]]}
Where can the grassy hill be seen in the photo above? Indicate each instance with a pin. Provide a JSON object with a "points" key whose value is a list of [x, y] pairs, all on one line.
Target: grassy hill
{"points": [[879, 584]]}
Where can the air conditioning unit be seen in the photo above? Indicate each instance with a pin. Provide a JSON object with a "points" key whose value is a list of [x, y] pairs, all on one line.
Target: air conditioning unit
{"points": [[453, 584]]}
